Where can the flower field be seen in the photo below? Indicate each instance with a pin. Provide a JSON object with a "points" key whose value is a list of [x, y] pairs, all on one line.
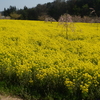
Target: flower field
{"points": [[50, 60]]}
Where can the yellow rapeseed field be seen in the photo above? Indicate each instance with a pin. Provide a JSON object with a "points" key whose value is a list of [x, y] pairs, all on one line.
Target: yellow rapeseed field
{"points": [[51, 56]]}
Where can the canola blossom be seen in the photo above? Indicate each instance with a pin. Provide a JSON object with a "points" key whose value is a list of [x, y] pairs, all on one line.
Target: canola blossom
{"points": [[46, 56]]}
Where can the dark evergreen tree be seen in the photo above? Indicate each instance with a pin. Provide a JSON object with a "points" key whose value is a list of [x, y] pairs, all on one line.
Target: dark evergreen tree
{"points": [[56, 8]]}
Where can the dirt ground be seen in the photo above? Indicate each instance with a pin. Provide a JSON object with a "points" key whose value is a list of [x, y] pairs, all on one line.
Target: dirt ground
{"points": [[9, 98]]}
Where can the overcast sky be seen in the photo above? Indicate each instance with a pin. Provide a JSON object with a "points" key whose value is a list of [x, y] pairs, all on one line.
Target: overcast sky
{"points": [[21, 3]]}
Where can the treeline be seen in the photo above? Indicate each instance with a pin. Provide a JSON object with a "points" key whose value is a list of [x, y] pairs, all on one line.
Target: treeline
{"points": [[55, 9]]}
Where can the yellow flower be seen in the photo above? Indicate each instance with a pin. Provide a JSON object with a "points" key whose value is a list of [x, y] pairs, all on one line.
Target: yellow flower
{"points": [[31, 81]]}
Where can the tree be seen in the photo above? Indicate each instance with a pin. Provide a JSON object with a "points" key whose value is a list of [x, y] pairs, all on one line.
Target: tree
{"points": [[57, 9], [10, 10]]}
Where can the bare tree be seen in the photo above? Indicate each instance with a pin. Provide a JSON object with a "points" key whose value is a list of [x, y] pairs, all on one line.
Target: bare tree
{"points": [[65, 18], [50, 19], [67, 22]]}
